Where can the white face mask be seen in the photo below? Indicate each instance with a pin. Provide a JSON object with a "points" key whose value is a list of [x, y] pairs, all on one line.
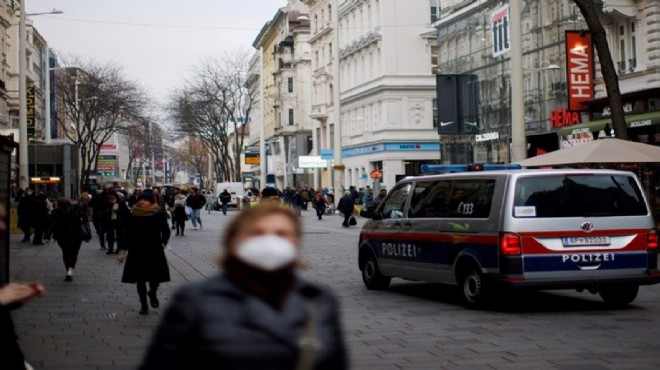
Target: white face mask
{"points": [[267, 252]]}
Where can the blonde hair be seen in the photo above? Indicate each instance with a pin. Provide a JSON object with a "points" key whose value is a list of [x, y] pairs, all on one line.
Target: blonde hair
{"points": [[251, 215]]}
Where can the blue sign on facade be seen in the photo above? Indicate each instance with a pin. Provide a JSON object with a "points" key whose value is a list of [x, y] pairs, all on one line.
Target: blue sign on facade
{"points": [[392, 147], [328, 154]]}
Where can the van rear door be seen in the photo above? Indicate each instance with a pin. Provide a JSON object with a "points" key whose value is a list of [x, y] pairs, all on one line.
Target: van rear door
{"points": [[576, 226]]}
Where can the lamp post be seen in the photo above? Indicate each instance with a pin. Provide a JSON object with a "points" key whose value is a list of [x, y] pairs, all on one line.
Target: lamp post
{"points": [[23, 168], [518, 136], [262, 132]]}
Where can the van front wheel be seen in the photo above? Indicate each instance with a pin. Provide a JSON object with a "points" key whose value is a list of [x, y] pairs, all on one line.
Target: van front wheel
{"points": [[372, 277], [473, 287], [618, 294]]}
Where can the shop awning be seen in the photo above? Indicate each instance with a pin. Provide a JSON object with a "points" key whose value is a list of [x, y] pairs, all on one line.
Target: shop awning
{"points": [[638, 120]]}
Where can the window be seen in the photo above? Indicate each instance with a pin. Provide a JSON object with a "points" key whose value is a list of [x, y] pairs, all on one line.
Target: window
{"points": [[625, 46], [434, 59], [329, 13], [395, 202], [578, 196], [435, 12], [452, 199], [330, 51], [290, 84], [290, 117], [435, 113]]}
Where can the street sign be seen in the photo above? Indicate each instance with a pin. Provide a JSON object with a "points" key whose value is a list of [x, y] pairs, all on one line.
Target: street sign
{"points": [[376, 174]]}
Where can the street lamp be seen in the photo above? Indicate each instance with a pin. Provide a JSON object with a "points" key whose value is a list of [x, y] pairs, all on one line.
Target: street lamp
{"points": [[22, 96]]}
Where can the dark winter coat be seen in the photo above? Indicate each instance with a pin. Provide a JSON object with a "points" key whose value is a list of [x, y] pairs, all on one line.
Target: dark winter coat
{"points": [[25, 206], [12, 356], [346, 205], [225, 197], [196, 201], [215, 324], [66, 225], [145, 234]]}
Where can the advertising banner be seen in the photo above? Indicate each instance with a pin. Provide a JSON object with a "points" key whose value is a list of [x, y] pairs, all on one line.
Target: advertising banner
{"points": [[499, 22], [311, 161], [579, 69]]}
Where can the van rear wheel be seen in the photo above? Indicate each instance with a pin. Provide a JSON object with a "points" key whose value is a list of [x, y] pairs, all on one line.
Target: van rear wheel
{"points": [[618, 294], [473, 287], [371, 275]]}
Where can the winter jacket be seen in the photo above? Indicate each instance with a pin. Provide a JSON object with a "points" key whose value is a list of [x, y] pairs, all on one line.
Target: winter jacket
{"points": [[215, 324], [346, 204], [196, 201], [225, 197], [145, 234]]}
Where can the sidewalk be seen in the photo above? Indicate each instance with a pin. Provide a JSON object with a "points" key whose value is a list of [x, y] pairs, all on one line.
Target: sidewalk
{"points": [[93, 321]]}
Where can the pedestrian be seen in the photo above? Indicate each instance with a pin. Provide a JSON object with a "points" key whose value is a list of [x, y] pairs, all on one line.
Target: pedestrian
{"points": [[25, 205], [210, 199], [68, 219], [146, 236], [114, 216], [297, 201], [178, 212], [259, 313], [306, 196], [225, 198], [98, 214], [39, 217], [270, 194], [346, 206], [11, 297], [320, 204], [196, 201]]}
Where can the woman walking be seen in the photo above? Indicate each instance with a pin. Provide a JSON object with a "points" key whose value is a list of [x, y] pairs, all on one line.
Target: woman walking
{"points": [[178, 212], [67, 231], [146, 236], [320, 204], [257, 314]]}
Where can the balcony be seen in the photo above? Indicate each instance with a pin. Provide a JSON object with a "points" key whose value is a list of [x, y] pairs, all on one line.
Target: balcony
{"points": [[319, 111]]}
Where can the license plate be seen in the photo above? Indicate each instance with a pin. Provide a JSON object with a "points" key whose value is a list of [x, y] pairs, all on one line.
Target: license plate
{"points": [[585, 241]]}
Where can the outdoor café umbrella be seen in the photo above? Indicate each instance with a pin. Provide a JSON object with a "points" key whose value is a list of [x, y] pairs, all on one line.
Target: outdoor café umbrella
{"points": [[608, 150]]}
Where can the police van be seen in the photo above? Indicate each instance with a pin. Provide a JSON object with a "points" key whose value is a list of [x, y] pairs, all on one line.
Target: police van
{"points": [[545, 229]]}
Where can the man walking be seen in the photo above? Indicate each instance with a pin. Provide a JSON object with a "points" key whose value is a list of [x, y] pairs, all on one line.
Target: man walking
{"points": [[225, 198], [346, 206], [196, 201]]}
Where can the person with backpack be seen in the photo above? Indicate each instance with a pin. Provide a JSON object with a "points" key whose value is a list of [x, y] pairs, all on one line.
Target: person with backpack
{"points": [[68, 219]]}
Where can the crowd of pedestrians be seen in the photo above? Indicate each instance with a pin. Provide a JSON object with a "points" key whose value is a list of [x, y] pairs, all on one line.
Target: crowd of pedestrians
{"points": [[259, 264]]}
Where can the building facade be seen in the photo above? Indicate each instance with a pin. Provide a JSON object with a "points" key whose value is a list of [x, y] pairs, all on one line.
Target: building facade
{"points": [[387, 89], [286, 74], [471, 46]]}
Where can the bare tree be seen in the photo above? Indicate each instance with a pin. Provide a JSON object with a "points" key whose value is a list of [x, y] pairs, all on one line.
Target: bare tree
{"points": [[193, 156], [96, 100], [212, 107], [590, 10]]}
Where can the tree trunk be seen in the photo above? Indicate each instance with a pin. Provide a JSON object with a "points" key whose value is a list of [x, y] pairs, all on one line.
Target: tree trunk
{"points": [[590, 14]]}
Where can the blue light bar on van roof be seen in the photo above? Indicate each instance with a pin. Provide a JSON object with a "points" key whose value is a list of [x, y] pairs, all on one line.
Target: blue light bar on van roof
{"points": [[453, 168]]}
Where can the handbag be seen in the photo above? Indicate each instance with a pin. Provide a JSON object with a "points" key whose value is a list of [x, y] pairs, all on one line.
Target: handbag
{"points": [[85, 231], [352, 221]]}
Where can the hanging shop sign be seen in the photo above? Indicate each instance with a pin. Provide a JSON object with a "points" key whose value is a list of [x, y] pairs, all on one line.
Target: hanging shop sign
{"points": [[580, 69], [487, 136], [312, 161], [564, 117], [500, 25]]}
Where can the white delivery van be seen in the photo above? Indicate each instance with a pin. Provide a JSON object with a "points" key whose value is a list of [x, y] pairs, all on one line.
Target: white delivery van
{"points": [[234, 188]]}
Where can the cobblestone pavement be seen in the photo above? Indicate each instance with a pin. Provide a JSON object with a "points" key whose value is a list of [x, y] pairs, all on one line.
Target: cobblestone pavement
{"points": [[93, 323]]}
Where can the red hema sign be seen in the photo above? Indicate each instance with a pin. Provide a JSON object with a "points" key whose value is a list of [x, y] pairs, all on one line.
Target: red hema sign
{"points": [[580, 69]]}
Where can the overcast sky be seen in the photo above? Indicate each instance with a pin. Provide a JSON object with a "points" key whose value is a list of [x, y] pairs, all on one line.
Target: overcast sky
{"points": [[156, 42]]}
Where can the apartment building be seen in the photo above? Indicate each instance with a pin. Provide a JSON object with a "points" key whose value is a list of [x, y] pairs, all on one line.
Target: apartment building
{"points": [[473, 48], [387, 88], [286, 91]]}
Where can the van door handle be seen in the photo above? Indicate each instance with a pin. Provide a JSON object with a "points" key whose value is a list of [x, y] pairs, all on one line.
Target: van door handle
{"points": [[407, 225], [397, 224]]}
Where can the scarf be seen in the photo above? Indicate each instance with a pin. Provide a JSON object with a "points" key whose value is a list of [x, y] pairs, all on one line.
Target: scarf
{"points": [[271, 287]]}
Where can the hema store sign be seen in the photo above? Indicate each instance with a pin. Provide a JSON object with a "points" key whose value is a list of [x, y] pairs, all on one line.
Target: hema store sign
{"points": [[580, 69]]}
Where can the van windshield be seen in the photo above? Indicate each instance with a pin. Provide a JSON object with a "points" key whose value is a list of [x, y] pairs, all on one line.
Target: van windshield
{"points": [[578, 196]]}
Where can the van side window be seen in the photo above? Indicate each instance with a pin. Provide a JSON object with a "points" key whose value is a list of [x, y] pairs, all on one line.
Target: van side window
{"points": [[452, 198], [578, 196], [393, 206]]}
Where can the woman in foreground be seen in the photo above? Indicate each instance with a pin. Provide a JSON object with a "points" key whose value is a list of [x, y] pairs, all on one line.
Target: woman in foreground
{"points": [[256, 314]]}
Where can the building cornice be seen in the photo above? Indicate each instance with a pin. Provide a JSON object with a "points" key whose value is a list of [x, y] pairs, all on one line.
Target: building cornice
{"points": [[325, 31], [365, 40]]}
